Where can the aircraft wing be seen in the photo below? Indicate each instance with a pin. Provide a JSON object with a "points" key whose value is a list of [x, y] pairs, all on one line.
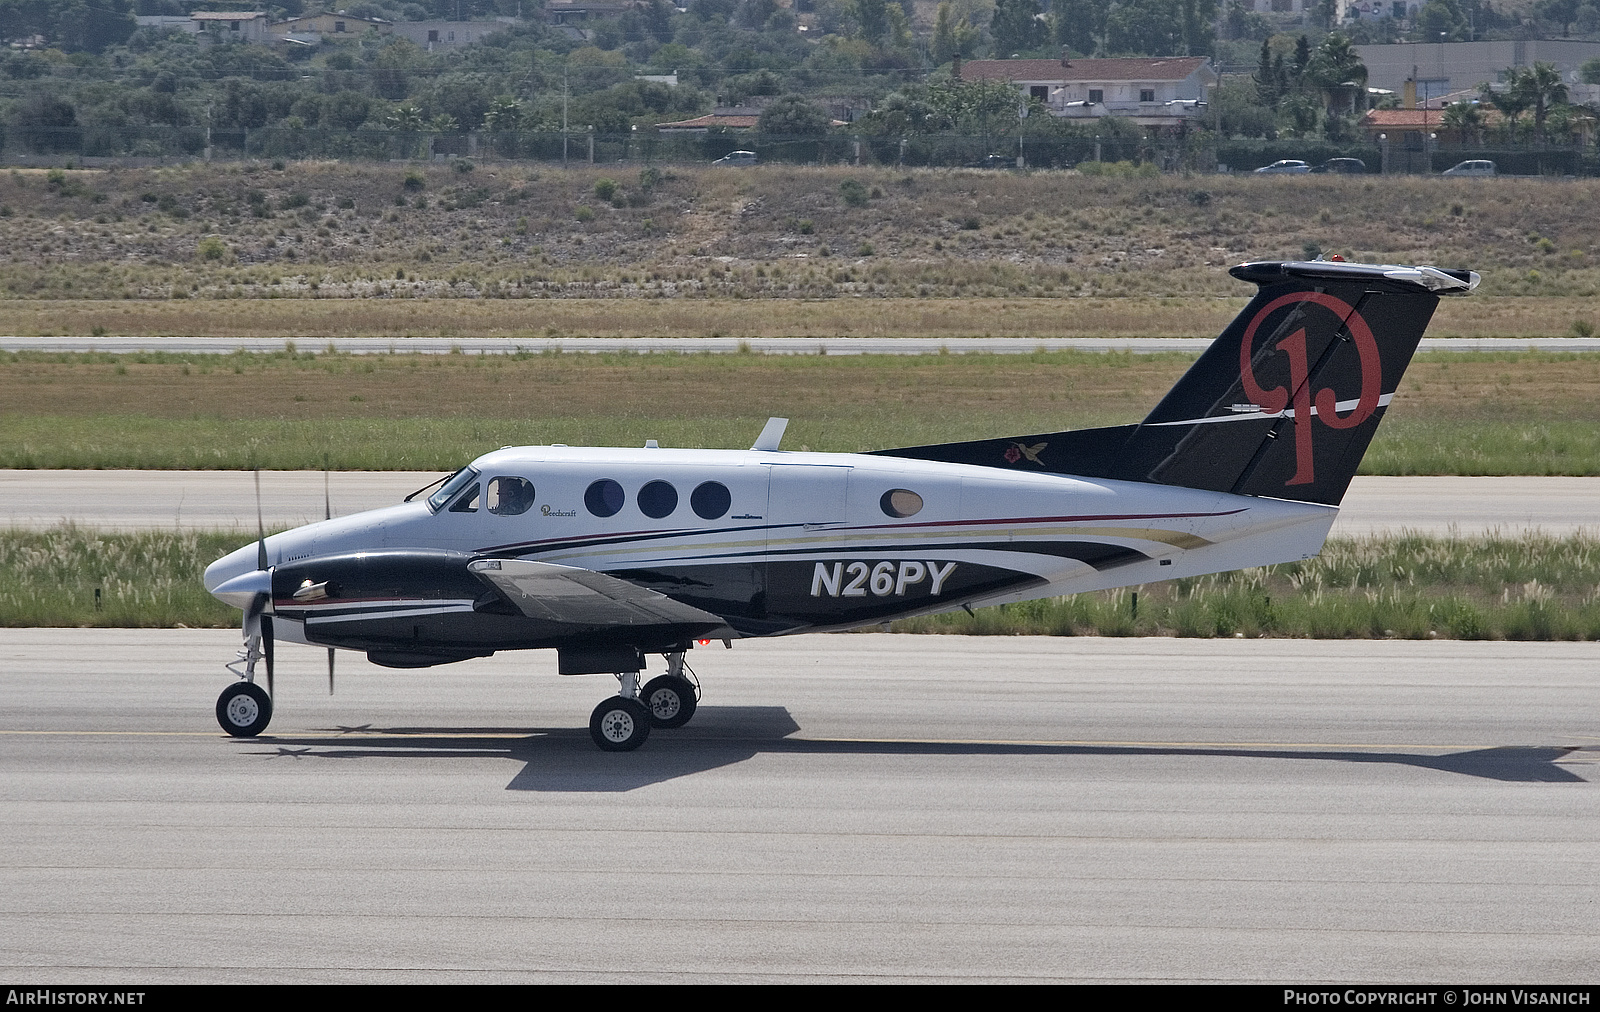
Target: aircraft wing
{"points": [[577, 596]]}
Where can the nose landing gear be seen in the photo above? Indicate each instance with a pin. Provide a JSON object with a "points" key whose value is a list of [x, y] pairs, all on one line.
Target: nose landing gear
{"points": [[244, 709]]}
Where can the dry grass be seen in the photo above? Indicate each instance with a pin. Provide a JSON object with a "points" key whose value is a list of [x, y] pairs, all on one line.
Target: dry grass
{"points": [[783, 232], [1075, 388]]}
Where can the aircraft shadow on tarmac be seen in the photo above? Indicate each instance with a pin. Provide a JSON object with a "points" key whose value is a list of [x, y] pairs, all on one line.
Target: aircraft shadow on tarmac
{"points": [[564, 759]]}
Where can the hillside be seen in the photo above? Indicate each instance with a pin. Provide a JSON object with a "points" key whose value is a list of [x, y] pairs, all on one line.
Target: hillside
{"points": [[518, 231]]}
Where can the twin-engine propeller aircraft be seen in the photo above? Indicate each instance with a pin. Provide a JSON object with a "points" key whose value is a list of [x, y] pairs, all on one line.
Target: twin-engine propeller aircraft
{"points": [[609, 555]]}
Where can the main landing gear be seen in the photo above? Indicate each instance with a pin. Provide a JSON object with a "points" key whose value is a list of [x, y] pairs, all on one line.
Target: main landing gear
{"points": [[623, 722]]}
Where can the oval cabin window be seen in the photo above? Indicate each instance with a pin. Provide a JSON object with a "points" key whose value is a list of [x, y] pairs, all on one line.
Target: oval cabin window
{"points": [[901, 503], [657, 499], [711, 500], [604, 498]]}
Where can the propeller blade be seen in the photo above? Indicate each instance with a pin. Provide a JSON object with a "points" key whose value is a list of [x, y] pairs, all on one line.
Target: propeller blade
{"points": [[330, 671], [327, 499], [261, 528], [266, 648]]}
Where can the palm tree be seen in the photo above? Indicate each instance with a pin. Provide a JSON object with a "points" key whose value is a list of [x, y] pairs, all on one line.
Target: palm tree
{"points": [[1463, 117], [1541, 86], [1510, 103], [1336, 68]]}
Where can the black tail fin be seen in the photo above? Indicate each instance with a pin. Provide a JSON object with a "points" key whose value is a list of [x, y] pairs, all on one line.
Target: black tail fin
{"points": [[1282, 404]]}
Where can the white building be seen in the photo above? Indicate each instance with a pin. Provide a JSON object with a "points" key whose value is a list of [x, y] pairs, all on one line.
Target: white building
{"points": [[1152, 91]]}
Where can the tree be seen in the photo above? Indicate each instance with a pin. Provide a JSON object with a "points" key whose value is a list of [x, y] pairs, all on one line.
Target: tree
{"points": [[952, 35], [1145, 27], [1080, 24], [1509, 103], [1465, 118], [1335, 68], [793, 116], [1562, 12], [1017, 27], [1542, 82], [47, 123], [872, 17]]}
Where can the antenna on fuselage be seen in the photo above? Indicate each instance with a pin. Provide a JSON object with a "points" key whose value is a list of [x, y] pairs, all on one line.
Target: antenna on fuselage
{"points": [[772, 435]]}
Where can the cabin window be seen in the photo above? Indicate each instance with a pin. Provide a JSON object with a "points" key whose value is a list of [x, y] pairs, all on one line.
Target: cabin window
{"points": [[604, 498], [467, 502], [509, 497], [900, 503], [338, 26], [657, 499], [711, 500], [1097, 95], [456, 483], [1039, 93], [433, 35], [1147, 94]]}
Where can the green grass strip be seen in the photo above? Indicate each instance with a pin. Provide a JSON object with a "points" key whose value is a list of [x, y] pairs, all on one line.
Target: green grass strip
{"points": [[1532, 587]]}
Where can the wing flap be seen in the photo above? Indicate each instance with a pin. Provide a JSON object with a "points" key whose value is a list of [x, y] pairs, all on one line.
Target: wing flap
{"points": [[577, 596]]}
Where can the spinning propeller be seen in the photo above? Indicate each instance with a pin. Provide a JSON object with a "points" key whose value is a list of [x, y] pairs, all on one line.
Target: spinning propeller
{"points": [[256, 620], [327, 514]]}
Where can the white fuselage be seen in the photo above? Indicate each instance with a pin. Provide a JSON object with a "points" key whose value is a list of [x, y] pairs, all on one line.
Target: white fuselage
{"points": [[822, 525]]}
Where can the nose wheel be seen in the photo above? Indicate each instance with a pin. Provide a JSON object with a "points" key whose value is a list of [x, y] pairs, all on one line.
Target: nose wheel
{"points": [[244, 709]]}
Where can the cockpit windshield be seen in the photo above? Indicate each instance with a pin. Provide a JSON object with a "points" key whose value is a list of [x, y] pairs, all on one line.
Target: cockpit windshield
{"points": [[447, 491]]}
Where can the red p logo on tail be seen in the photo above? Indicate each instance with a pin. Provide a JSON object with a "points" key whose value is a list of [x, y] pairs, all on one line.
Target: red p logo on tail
{"points": [[1323, 403]]}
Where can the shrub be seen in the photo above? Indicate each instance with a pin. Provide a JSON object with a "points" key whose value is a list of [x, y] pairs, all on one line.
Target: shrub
{"points": [[584, 213], [414, 180], [211, 248], [853, 193], [605, 188]]}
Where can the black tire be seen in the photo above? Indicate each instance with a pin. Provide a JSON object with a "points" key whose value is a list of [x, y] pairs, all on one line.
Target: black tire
{"points": [[619, 724], [671, 701], [244, 709]]}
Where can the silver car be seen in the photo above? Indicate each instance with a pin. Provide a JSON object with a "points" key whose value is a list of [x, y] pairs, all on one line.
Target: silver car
{"points": [[1284, 166], [1473, 167], [737, 159]]}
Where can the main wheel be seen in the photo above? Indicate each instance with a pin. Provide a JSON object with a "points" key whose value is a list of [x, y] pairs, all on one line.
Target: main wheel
{"points": [[671, 700], [243, 709], [619, 724]]}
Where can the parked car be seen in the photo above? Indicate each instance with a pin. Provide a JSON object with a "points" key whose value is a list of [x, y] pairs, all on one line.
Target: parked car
{"points": [[1472, 167], [1284, 166], [738, 159], [1351, 166]]}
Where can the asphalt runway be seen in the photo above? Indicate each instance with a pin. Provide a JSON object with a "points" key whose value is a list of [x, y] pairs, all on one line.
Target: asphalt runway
{"points": [[207, 500], [124, 345], [843, 808]]}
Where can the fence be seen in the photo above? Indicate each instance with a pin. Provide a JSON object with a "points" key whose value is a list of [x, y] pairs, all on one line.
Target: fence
{"points": [[155, 144]]}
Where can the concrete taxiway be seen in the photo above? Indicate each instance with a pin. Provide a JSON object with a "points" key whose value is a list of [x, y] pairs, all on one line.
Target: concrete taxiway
{"points": [[843, 807], [207, 500]]}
